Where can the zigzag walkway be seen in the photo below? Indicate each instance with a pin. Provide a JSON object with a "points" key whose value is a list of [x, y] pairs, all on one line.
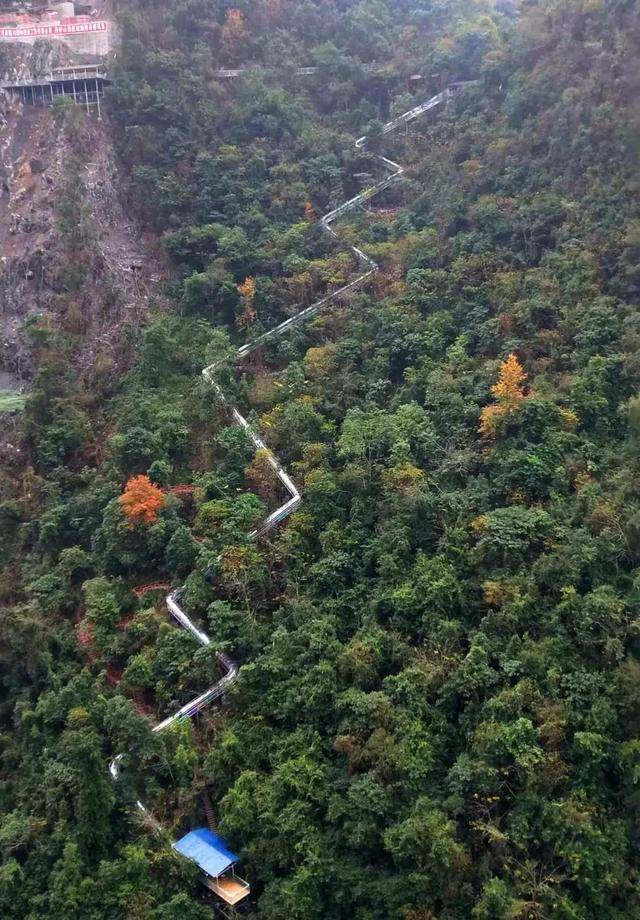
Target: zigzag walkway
{"points": [[367, 268]]}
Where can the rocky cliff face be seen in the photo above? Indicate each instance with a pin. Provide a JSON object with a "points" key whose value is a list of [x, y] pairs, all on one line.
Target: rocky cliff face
{"points": [[20, 62], [69, 252]]}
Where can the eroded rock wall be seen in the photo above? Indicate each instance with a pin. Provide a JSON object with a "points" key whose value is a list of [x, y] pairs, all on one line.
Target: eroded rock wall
{"points": [[69, 251]]}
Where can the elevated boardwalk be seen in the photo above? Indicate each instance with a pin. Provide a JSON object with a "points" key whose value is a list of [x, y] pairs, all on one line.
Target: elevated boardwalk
{"points": [[83, 83], [239, 72]]}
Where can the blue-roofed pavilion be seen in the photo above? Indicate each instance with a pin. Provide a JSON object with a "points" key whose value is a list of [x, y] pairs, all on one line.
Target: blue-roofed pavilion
{"points": [[210, 853]]}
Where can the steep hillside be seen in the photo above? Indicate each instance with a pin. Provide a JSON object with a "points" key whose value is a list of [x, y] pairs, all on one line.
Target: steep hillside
{"points": [[71, 259], [436, 711]]}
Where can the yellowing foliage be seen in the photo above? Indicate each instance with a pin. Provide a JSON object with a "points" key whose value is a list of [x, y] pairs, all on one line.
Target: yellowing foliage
{"points": [[488, 418], [508, 389], [479, 525], [471, 167], [261, 476], [403, 478], [493, 593], [509, 393], [319, 361], [141, 501], [247, 291], [272, 418], [234, 561], [569, 419]]}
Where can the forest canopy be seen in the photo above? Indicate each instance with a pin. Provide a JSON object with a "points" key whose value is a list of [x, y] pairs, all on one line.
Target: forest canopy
{"points": [[437, 713]]}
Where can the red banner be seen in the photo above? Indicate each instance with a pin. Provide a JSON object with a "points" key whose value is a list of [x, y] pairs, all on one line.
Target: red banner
{"points": [[46, 31]]}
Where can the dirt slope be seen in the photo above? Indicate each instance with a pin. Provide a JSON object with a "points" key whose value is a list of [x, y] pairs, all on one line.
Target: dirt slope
{"points": [[69, 251]]}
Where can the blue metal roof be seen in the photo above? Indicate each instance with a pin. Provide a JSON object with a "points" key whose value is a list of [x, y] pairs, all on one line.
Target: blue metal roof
{"points": [[207, 850]]}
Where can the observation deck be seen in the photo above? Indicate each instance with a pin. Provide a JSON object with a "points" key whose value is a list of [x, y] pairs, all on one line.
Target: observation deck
{"points": [[84, 84]]}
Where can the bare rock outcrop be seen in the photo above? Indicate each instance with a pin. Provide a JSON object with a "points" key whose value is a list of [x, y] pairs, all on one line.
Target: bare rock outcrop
{"points": [[69, 250]]}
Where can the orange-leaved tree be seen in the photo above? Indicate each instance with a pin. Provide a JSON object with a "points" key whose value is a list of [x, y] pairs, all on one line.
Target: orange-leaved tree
{"points": [[234, 31], [141, 501], [509, 393]]}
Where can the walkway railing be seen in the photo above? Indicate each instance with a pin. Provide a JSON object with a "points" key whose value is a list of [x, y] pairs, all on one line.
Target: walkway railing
{"points": [[368, 267]]}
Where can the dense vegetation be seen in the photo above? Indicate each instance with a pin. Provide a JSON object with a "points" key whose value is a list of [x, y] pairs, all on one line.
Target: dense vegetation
{"points": [[438, 713]]}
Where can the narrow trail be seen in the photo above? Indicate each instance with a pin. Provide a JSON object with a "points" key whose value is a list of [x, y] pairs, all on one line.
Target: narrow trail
{"points": [[367, 268]]}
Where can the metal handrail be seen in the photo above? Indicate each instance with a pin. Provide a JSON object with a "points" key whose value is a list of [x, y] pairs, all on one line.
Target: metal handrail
{"points": [[66, 77], [285, 510]]}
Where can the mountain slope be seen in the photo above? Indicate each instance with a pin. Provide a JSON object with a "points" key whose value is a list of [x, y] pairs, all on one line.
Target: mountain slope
{"points": [[436, 714]]}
